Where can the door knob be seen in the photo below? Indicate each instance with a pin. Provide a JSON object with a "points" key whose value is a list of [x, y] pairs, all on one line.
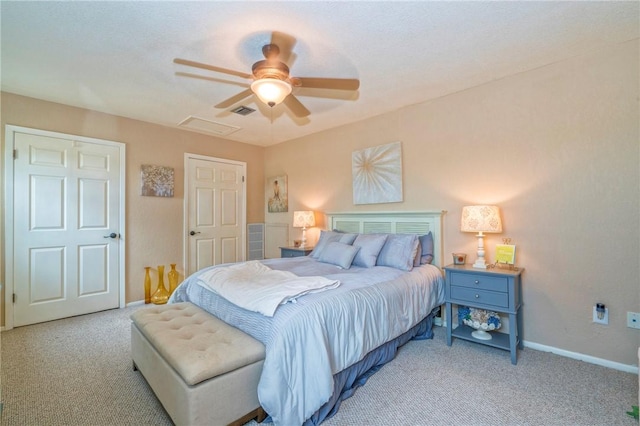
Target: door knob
{"points": [[111, 235], [192, 233]]}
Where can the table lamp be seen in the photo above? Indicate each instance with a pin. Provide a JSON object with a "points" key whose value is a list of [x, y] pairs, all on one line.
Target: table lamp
{"points": [[303, 219], [480, 219]]}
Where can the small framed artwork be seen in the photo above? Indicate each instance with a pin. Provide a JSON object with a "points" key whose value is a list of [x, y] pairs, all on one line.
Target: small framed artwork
{"points": [[156, 181], [506, 254], [277, 198]]}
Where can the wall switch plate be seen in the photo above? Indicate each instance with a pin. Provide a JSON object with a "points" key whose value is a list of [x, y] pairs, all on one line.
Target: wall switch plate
{"points": [[633, 320], [605, 320]]}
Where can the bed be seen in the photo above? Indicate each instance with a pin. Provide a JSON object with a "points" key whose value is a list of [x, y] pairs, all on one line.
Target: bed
{"points": [[323, 344]]}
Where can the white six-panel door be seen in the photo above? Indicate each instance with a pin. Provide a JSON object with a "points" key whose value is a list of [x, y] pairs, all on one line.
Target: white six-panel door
{"points": [[215, 212], [66, 226]]}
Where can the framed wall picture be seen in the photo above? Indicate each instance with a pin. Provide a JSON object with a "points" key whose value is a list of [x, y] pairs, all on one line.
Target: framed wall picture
{"points": [[506, 253], [377, 174], [277, 197], [156, 181]]}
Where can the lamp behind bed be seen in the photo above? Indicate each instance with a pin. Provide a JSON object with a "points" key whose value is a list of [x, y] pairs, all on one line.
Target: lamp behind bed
{"points": [[304, 220]]}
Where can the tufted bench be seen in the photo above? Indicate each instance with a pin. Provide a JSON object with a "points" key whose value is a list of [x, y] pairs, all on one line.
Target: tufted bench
{"points": [[202, 370]]}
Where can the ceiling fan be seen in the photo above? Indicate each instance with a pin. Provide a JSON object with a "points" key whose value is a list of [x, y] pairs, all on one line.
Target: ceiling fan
{"points": [[272, 83]]}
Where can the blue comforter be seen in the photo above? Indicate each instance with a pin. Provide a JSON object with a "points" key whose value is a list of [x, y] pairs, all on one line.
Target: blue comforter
{"points": [[319, 335]]}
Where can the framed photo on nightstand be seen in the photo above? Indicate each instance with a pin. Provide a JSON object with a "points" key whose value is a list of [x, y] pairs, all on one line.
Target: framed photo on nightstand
{"points": [[506, 253]]}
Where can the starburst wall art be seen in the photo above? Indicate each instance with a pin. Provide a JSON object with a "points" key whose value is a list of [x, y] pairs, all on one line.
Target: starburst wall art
{"points": [[377, 174]]}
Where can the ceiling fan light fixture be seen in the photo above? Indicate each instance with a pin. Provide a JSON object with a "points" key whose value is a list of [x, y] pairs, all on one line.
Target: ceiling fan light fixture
{"points": [[271, 91]]}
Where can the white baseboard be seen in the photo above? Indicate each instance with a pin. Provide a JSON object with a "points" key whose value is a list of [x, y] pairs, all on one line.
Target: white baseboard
{"points": [[582, 357], [575, 355]]}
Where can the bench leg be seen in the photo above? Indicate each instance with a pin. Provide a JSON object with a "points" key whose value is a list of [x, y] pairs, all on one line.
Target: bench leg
{"points": [[261, 415], [258, 414]]}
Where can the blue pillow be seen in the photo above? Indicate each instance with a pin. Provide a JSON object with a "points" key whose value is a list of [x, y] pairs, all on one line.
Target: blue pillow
{"points": [[399, 251], [338, 254], [426, 244], [327, 237], [418, 258], [348, 238], [370, 245]]}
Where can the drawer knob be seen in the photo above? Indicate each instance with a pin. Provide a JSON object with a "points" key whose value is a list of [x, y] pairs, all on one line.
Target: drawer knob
{"points": [[477, 281], [477, 296]]}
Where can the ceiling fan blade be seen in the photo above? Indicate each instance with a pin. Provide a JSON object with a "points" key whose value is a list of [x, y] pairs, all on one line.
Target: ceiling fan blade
{"points": [[286, 43], [329, 83], [236, 98], [217, 80], [296, 106], [211, 67]]}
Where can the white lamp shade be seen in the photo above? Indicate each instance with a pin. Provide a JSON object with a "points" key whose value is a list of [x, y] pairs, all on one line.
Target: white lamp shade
{"points": [[303, 219], [271, 91], [481, 219]]}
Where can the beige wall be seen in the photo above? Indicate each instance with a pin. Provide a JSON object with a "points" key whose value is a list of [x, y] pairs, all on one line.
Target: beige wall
{"points": [[154, 234], [556, 148]]}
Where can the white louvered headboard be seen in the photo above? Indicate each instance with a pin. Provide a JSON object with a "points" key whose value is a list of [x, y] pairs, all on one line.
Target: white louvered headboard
{"points": [[393, 223]]}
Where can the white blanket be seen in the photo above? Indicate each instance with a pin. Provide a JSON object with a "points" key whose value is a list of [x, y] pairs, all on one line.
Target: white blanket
{"points": [[258, 288]]}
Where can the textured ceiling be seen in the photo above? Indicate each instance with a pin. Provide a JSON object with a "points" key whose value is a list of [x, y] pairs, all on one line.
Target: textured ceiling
{"points": [[117, 57]]}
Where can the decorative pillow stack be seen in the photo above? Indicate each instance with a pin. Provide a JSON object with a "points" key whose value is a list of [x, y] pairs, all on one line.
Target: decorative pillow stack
{"points": [[400, 251]]}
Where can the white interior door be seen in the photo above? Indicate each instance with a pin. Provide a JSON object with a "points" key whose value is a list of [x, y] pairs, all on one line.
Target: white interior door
{"points": [[215, 211], [67, 223]]}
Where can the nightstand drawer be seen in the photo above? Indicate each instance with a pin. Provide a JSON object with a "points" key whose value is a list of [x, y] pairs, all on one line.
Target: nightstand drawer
{"points": [[475, 296], [480, 282], [295, 251], [290, 253]]}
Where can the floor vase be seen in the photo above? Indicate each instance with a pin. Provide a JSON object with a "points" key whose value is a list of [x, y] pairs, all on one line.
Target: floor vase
{"points": [[161, 295]]}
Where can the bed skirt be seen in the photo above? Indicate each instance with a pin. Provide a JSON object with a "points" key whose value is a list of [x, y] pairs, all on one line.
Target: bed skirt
{"points": [[347, 381]]}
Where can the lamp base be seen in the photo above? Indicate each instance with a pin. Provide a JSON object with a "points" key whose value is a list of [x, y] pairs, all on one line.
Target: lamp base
{"points": [[303, 243], [480, 264]]}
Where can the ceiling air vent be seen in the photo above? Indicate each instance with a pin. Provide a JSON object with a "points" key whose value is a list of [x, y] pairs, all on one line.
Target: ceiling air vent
{"points": [[243, 110], [207, 126]]}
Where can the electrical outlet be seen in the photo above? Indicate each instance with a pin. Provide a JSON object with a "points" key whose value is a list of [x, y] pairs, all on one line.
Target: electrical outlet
{"points": [[604, 320], [633, 320]]}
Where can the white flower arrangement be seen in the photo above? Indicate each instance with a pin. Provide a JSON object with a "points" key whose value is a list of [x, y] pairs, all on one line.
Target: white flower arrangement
{"points": [[480, 319]]}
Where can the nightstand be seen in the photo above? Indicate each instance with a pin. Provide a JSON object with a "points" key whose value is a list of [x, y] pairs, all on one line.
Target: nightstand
{"points": [[295, 251], [497, 290]]}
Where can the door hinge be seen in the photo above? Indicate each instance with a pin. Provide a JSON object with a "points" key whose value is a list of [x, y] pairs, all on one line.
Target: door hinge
{"points": [[14, 298], [15, 154], [243, 178]]}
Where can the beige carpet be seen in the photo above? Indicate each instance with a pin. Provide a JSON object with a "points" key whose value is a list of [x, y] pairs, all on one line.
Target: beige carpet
{"points": [[77, 371]]}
